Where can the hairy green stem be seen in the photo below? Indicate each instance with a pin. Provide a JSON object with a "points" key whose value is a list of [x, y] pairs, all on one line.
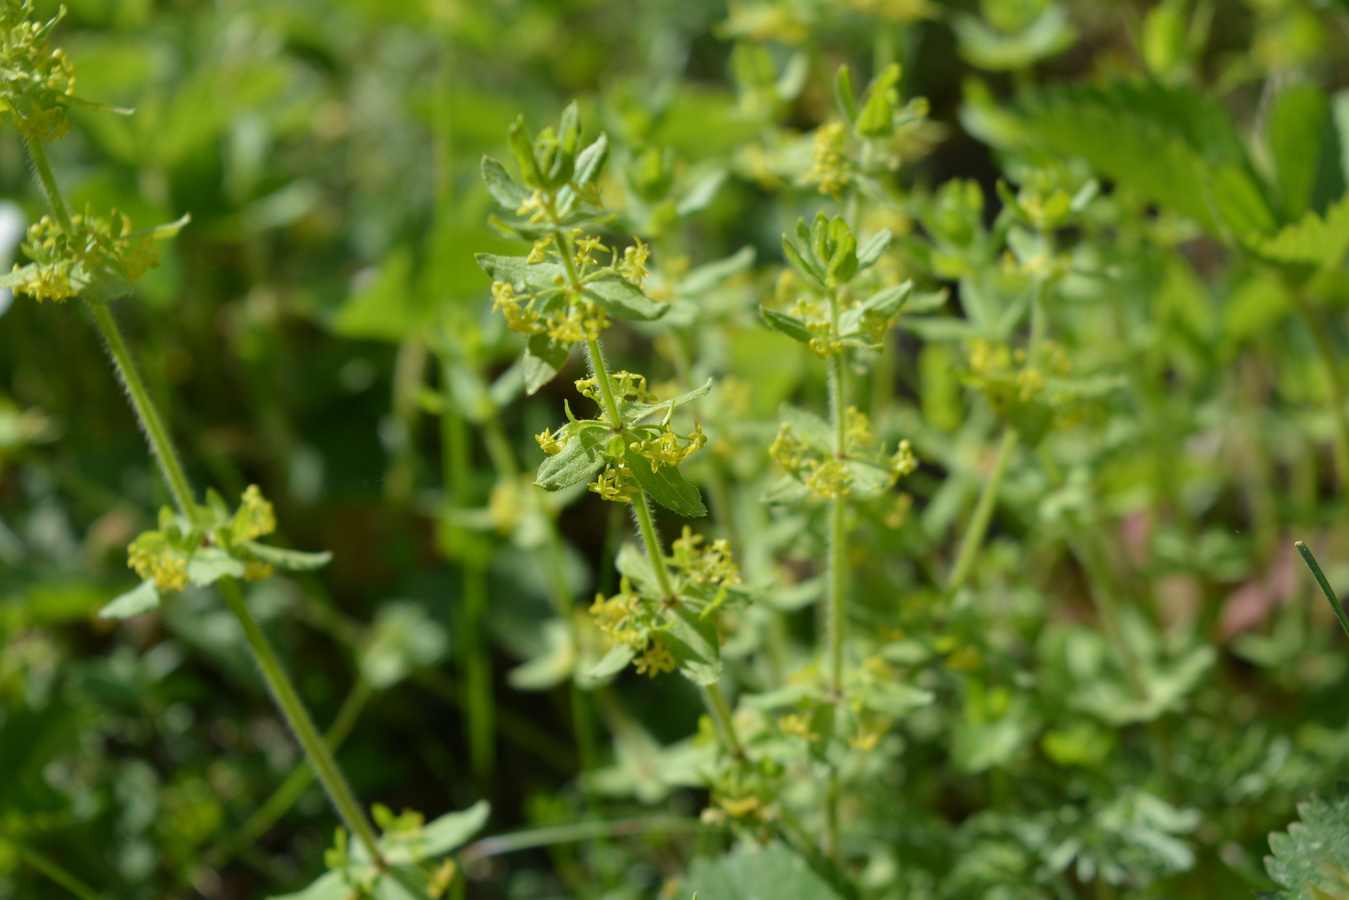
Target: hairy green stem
{"points": [[721, 716], [290, 791], [43, 168], [575, 832], [155, 432], [297, 716]]}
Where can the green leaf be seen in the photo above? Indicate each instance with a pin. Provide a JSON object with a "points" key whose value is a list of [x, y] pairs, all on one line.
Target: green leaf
{"points": [[623, 299], [1171, 144], [632, 563], [517, 270], [578, 461], [1306, 150], [886, 302], [449, 832], [1313, 240], [705, 277], [808, 427], [208, 565], [328, 886], [791, 326], [877, 118], [668, 488], [844, 93], [295, 560], [140, 599], [1313, 856], [591, 161], [751, 872], [701, 195], [805, 267], [868, 478], [693, 642], [501, 186], [543, 359], [870, 252], [613, 662], [633, 413]]}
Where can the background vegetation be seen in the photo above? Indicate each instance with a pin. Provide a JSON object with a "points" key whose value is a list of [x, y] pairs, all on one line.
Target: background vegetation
{"points": [[1119, 692]]}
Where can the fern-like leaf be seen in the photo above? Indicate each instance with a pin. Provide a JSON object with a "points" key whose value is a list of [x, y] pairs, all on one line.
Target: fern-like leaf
{"points": [[1311, 860]]}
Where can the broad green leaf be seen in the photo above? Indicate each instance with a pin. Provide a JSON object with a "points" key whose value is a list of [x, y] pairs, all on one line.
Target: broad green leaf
{"points": [[623, 299], [1312, 241], [877, 118], [1306, 150], [701, 195], [295, 560], [693, 642], [209, 564], [752, 872], [804, 266], [668, 488], [516, 270], [551, 666], [868, 478], [501, 186], [707, 276], [579, 460], [140, 599], [632, 563], [791, 326], [448, 832], [887, 302], [613, 662], [328, 886], [543, 359], [808, 427]]}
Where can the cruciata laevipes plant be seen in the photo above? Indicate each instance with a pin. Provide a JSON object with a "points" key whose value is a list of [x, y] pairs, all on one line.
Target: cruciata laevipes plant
{"points": [[567, 290], [94, 258]]}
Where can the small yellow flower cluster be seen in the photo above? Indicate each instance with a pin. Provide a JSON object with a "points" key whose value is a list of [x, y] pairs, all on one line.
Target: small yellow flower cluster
{"points": [[257, 514], [666, 449], [654, 660], [823, 344], [615, 484], [704, 563], [95, 243], [37, 78], [829, 166], [538, 208], [797, 725], [827, 475], [549, 442], [829, 478], [633, 265], [614, 615], [153, 559], [583, 320], [587, 245], [626, 386]]}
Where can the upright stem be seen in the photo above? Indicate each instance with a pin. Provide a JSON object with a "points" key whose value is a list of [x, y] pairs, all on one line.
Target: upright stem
{"points": [[325, 767], [836, 616], [38, 154], [721, 716], [155, 432]]}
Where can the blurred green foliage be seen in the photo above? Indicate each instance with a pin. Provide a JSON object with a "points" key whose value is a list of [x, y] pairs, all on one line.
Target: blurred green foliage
{"points": [[1130, 689]]}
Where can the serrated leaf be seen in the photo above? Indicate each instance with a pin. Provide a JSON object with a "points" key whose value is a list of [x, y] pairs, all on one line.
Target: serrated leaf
{"points": [[578, 461], [791, 326], [208, 565], [501, 185], [624, 300], [1313, 855], [140, 599], [1312, 240], [692, 641], [295, 560], [668, 488]]}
